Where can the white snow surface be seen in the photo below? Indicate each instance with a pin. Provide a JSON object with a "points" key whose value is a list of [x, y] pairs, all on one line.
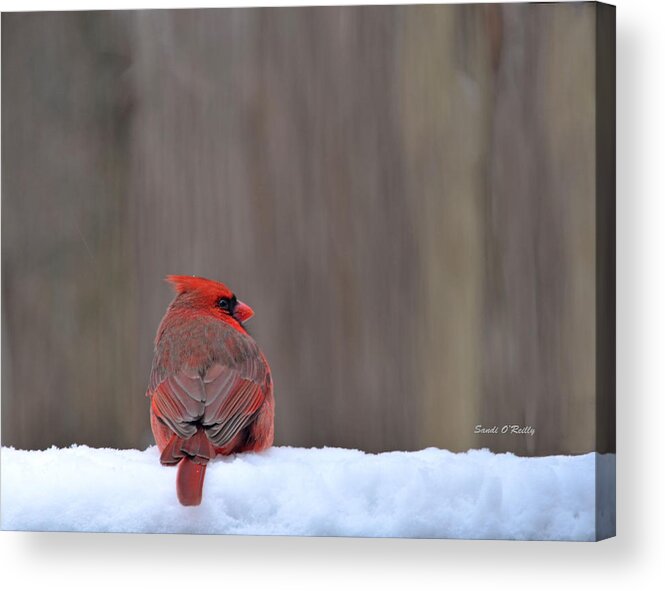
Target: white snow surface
{"points": [[431, 493]]}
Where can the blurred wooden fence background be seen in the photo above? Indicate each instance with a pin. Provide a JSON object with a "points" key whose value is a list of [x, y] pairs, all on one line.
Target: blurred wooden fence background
{"points": [[405, 196]]}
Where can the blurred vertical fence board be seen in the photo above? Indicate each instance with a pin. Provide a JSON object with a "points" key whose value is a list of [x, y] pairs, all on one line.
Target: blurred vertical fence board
{"points": [[405, 196], [539, 229], [70, 371], [446, 116]]}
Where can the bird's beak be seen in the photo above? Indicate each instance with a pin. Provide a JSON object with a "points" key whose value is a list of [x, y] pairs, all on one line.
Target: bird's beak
{"points": [[242, 312]]}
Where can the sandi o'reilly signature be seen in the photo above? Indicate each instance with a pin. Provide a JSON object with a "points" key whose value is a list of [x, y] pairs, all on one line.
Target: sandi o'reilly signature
{"points": [[504, 430]]}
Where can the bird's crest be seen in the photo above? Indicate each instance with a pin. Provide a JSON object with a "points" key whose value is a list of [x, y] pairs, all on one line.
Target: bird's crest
{"points": [[188, 283]]}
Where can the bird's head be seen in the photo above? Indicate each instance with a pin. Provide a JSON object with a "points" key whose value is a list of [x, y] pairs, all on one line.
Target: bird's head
{"points": [[210, 297]]}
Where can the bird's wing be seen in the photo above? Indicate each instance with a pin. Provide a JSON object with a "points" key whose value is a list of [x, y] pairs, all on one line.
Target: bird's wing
{"points": [[233, 403], [223, 392]]}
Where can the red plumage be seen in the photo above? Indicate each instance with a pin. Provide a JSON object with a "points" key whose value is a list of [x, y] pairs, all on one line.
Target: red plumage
{"points": [[210, 386]]}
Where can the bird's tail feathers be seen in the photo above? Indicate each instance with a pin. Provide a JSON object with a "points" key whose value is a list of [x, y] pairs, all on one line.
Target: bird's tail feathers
{"points": [[189, 483], [192, 456]]}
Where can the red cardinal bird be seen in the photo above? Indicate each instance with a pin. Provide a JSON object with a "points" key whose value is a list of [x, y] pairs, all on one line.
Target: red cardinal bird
{"points": [[210, 386]]}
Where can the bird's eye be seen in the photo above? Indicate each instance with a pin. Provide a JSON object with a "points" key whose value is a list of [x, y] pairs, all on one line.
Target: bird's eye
{"points": [[224, 304]]}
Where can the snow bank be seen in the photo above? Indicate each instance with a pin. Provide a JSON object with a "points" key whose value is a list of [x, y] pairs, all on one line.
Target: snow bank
{"points": [[321, 492]]}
